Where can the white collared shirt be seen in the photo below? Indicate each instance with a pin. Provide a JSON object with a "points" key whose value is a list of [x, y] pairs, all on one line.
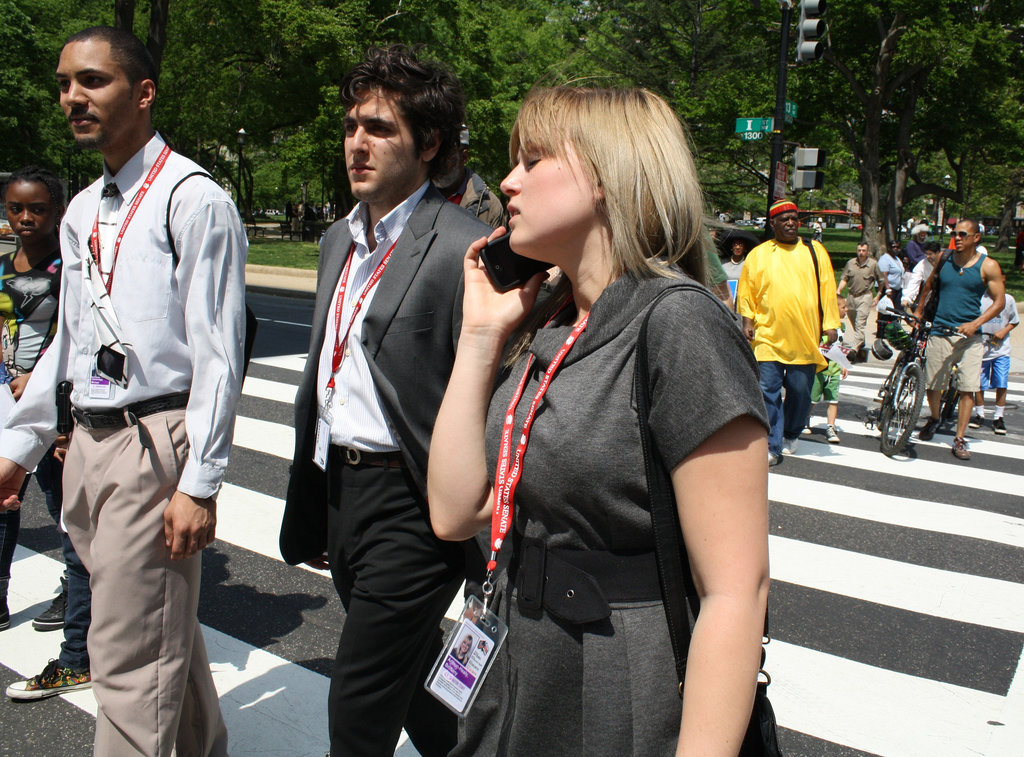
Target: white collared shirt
{"points": [[184, 323], [357, 416]]}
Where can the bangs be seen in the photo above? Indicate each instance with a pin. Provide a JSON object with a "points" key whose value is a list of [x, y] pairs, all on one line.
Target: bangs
{"points": [[548, 121]]}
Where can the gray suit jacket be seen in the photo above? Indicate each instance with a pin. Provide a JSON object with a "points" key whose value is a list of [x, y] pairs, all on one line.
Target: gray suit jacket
{"points": [[409, 337]]}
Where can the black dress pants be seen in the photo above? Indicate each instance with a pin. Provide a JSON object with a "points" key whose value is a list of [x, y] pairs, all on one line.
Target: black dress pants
{"points": [[395, 579]]}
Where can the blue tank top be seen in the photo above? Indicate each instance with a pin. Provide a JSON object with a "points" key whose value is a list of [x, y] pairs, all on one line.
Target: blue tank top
{"points": [[960, 291]]}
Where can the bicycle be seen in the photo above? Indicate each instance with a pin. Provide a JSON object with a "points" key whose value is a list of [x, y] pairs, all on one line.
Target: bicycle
{"points": [[903, 391]]}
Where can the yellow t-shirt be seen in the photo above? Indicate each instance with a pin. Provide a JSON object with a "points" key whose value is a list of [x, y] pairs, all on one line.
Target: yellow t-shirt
{"points": [[776, 291]]}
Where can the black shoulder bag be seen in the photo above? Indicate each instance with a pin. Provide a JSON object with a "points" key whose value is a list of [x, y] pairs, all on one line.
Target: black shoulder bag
{"points": [[761, 739], [817, 291]]}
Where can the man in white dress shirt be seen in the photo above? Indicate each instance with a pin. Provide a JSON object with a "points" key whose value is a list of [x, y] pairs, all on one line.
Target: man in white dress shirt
{"points": [[384, 330], [151, 335]]}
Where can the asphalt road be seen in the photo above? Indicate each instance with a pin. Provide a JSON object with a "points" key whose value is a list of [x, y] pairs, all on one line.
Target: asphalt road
{"points": [[897, 602]]}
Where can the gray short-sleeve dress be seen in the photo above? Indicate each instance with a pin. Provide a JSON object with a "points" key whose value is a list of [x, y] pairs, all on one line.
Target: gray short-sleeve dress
{"points": [[608, 687]]}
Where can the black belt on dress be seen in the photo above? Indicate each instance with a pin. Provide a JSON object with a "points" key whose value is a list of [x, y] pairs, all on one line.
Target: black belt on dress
{"points": [[578, 585], [351, 456], [126, 416]]}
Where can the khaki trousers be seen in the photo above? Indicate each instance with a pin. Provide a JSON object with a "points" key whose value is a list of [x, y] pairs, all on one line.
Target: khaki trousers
{"points": [[858, 309], [150, 673]]}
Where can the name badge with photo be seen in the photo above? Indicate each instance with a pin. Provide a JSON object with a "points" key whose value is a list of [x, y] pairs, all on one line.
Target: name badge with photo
{"points": [[466, 657]]}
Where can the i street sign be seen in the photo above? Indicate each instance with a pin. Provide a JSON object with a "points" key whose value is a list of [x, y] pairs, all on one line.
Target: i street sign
{"points": [[744, 125]]}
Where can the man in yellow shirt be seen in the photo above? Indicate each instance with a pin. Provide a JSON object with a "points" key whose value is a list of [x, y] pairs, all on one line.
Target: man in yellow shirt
{"points": [[787, 306]]}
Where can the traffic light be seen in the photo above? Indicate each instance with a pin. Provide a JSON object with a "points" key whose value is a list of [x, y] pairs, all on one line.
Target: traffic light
{"points": [[812, 28], [806, 161]]}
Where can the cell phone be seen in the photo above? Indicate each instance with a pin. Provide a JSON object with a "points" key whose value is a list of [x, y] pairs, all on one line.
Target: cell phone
{"points": [[506, 269]]}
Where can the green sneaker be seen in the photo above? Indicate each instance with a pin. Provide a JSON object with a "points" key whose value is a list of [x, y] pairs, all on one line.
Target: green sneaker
{"points": [[52, 681]]}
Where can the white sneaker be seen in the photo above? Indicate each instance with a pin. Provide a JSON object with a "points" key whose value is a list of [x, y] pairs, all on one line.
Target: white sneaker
{"points": [[789, 446]]}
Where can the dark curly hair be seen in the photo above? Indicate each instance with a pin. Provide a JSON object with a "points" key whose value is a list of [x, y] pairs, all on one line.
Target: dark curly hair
{"points": [[428, 94], [32, 174]]}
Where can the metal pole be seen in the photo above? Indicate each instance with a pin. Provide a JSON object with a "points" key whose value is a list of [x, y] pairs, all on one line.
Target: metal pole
{"points": [[786, 6]]}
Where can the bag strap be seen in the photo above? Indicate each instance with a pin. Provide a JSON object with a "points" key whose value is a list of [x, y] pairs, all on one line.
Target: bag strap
{"points": [[817, 280], [167, 217], [251, 323], [677, 587], [930, 287]]}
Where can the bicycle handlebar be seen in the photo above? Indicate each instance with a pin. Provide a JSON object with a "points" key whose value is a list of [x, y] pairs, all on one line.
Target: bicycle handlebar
{"points": [[927, 326]]}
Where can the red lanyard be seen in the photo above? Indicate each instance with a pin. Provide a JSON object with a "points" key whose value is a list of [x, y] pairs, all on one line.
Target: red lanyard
{"points": [[505, 479], [339, 340], [94, 238]]}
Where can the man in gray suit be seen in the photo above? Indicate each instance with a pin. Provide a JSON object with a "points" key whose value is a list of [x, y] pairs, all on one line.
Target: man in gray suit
{"points": [[385, 326]]}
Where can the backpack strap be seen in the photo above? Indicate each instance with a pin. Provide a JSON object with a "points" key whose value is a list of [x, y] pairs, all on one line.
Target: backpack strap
{"points": [[251, 324], [167, 217]]}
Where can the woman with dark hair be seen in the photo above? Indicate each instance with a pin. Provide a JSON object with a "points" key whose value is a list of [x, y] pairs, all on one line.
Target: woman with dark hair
{"points": [[546, 434], [29, 285], [29, 292], [732, 262]]}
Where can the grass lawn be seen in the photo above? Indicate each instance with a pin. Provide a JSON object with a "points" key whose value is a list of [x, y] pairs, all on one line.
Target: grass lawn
{"points": [[284, 253]]}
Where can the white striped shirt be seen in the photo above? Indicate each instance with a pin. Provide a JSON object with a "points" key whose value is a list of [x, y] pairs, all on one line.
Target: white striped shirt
{"points": [[357, 416]]}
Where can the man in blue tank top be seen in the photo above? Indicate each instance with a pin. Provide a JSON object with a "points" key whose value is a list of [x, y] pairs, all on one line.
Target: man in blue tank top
{"points": [[961, 280]]}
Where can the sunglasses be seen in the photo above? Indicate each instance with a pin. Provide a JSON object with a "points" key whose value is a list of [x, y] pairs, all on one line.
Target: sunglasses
{"points": [[961, 234]]}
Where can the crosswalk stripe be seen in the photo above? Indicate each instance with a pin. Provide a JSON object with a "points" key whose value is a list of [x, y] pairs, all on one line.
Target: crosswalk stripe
{"points": [[943, 439], [973, 476], [263, 436], [941, 593], [880, 711], [897, 511], [289, 362], [269, 390]]}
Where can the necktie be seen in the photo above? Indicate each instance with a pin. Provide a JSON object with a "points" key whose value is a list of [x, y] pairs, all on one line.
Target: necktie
{"points": [[110, 203]]}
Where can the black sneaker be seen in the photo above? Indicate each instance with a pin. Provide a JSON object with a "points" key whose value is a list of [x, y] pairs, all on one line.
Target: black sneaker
{"points": [[928, 430], [999, 426], [52, 618], [976, 421], [52, 681]]}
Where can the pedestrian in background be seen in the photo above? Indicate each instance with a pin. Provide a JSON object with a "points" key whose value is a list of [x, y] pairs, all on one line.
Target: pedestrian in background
{"points": [[787, 298], [866, 284], [961, 279], [995, 361], [29, 297]]}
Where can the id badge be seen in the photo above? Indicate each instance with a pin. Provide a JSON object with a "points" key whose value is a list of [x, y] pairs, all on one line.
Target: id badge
{"points": [[322, 441], [468, 652], [100, 388]]}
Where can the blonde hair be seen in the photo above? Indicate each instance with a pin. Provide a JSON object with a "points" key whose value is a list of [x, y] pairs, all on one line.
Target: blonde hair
{"points": [[634, 149]]}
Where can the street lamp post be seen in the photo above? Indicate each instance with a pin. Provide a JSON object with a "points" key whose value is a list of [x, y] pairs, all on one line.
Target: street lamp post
{"points": [[942, 208], [241, 191]]}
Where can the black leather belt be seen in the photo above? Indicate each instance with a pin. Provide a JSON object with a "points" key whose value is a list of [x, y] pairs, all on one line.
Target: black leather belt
{"points": [[578, 585], [350, 456], [123, 417]]}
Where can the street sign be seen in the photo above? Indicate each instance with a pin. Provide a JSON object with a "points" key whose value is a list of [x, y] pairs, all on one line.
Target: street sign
{"points": [[790, 111], [754, 124], [751, 135]]}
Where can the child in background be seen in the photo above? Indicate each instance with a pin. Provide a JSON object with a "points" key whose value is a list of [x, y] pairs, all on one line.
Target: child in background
{"points": [[995, 363], [826, 385]]}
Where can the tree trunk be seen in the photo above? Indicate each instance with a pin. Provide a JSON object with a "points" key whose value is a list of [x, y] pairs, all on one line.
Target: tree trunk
{"points": [[1014, 195], [124, 14], [157, 30]]}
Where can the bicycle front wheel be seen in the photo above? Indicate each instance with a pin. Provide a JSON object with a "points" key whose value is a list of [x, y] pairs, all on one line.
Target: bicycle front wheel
{"points": [[899, 415]]}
